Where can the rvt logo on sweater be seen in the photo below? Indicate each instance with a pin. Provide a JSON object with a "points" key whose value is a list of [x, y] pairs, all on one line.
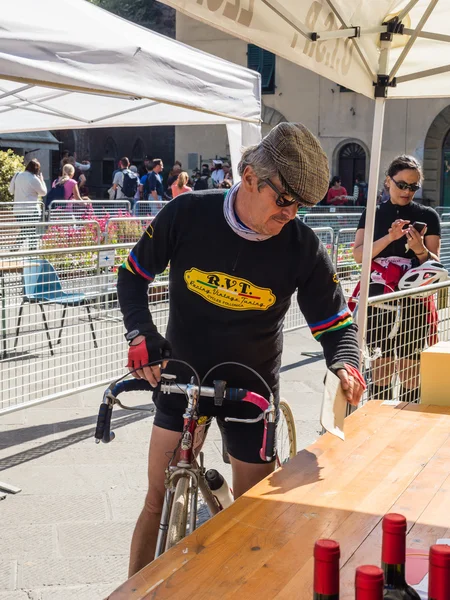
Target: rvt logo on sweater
{"points": [[227, 291]]}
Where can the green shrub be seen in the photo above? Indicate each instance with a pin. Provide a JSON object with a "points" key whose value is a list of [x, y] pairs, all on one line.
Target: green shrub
{"points": [[10, 163]]}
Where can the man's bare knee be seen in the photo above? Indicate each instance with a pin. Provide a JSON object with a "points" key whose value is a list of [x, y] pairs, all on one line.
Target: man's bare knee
{"points": [[154, 501]]}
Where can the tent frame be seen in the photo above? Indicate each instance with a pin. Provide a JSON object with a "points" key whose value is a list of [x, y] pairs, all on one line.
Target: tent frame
{"points": [[382, 80]]}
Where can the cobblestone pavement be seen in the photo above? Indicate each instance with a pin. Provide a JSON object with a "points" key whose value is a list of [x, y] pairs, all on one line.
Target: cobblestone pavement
{"points": [[66, 536]]}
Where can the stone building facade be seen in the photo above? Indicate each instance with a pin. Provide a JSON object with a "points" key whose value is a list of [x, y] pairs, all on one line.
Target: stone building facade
{"points": [[341, 119]]}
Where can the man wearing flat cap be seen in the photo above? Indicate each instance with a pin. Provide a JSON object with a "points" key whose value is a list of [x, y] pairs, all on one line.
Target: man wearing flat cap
{"points": [[236, 259]]}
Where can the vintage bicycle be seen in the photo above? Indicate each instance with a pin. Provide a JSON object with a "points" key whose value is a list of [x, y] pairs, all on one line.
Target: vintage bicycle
{"points": [[188, 476]]}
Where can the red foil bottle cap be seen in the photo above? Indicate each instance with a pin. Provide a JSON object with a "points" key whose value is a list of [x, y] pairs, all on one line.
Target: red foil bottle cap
{"points": [[394, 539], [369, 578], [439, 572], [326, 567], [440, 555]]}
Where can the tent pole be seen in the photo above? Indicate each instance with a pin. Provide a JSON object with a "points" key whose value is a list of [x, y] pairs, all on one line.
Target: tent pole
{"points": [[375, 153]]}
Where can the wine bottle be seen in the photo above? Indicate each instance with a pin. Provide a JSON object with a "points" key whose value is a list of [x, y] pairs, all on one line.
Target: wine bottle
{"points": [[369, 583], [439, 573], [393, 559], [326, 570]]}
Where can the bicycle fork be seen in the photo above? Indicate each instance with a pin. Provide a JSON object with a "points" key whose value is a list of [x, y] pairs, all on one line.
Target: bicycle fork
{"points": [[196, 475]]}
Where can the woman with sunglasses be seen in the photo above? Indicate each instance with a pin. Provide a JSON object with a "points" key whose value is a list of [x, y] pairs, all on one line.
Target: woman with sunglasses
{"points": [[399, 246]]}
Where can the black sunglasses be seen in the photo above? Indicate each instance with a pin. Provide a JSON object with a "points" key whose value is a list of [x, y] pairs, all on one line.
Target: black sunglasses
{"points": [[281, 198], [402, 185]]}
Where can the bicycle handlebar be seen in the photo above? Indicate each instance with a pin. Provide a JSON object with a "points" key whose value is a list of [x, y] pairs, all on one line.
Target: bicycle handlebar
{"points": [[167, 386]]}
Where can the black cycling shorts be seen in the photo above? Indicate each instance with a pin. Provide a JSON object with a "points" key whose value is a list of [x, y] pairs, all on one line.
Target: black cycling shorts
{"points": [[412, 333], [243, 441]]}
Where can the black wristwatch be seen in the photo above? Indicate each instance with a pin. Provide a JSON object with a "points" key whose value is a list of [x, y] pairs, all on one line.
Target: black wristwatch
{"points": [[130, 336]]}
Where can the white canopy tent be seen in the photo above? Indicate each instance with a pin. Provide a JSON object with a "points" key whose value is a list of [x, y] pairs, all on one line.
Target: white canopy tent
{"points": [[70, 64], [383, 49]]}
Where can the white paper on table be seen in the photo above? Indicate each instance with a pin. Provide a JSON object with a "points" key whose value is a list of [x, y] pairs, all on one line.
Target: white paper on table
{"points": [[334, 406], [422, 587]]}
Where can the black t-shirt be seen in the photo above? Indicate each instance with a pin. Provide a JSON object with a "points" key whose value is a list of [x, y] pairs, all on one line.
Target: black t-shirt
{"points": [[387, 213], [228, 295]]}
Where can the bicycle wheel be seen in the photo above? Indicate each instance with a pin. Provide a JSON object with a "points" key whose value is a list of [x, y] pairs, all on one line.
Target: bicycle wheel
{"points": [[178, 514], [286, 434]]}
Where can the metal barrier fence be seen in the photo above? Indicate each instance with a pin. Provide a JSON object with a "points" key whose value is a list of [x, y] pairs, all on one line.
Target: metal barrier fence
{"points": [[24, 213], [399, 327], [327, 209], [63, 332], [125, 230], [78, 209], [445, 245], [61, 327], [148, 208], [34, 236], [336, 221], [294, 319]]}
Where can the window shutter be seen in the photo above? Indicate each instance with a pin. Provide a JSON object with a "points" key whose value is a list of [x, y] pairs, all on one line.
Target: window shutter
{"points": [[263, 62]]}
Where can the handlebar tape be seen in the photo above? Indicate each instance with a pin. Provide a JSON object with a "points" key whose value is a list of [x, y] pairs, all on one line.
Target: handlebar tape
{"points": [[267, 452], [235, 394], [131, 385], [101, 421], [107, 435]]}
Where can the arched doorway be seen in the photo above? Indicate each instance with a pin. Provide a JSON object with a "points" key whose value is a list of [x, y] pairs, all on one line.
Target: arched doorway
{"points": [[352, 160], [109, 162], [137, 156], [436, 185], [445, 180]]}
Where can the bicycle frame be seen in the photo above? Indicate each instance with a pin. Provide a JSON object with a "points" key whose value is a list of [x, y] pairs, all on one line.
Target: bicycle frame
{"points": [[187, 466], [191, 439]]}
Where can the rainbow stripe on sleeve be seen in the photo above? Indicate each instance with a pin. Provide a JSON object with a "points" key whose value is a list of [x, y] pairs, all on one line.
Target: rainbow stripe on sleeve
{"points": [[131, 264], [337, 321]]}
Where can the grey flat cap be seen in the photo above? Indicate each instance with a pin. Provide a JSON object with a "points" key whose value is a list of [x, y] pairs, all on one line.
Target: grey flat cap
{"points": [[301, 162]]}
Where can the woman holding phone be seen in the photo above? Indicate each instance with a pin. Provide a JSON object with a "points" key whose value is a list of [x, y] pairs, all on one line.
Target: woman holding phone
{"points": [[406, 235]]}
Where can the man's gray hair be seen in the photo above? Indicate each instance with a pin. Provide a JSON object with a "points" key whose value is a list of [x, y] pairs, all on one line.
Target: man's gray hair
{"points": [[260, 161]]}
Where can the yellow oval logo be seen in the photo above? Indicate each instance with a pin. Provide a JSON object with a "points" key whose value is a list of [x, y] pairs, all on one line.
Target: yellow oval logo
{"points": [[227, 291]]}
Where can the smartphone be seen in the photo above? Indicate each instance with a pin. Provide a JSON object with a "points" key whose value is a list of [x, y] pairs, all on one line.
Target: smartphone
{"points": [[419, 226]]}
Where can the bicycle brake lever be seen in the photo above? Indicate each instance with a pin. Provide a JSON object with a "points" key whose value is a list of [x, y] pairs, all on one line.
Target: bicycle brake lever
{"points": [[234, 420], [168, 376]]}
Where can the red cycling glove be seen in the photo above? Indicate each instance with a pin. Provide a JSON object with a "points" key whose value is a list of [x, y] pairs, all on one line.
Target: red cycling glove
{"points": [[154, 347], [357, 375], [350, 370]]}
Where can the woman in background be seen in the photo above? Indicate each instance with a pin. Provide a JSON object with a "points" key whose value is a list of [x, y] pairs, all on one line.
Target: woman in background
{"points": [[337, 193], [180, 186], [397, 247], [27, 187]]}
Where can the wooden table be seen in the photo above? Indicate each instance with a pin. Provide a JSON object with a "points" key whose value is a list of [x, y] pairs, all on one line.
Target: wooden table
{"points": [[394, 459]]}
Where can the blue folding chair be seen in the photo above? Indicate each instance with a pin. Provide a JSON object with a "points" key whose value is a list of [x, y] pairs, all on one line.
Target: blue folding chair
{"points": [[42, 285]]}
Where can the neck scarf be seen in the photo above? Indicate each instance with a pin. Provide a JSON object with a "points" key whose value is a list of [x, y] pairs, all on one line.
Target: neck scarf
{"points": [[233, 221]]}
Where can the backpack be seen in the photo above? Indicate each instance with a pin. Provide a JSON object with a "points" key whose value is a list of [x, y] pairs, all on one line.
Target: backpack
{"points": [[201, 183], [146, 191], [129, 185], [362, 194], [56, 193]]}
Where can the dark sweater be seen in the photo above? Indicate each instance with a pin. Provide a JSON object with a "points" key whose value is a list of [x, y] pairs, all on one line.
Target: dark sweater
{"points": [[228, 295], [388, 212]]}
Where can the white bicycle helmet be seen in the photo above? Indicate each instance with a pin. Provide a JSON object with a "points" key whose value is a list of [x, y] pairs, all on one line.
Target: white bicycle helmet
{"points": [[427, 273]]}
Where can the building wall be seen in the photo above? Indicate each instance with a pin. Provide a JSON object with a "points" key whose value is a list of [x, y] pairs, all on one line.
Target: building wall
{"points": [[335, 117], [96, 145]]}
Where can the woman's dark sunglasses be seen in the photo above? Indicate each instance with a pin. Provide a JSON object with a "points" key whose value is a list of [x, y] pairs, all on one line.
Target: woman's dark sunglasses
{"points": [[281, 198], [402, 185]]}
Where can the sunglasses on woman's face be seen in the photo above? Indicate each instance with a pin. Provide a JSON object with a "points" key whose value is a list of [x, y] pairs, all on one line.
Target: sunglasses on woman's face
{"points": [[402, 185], [281, 198]]}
